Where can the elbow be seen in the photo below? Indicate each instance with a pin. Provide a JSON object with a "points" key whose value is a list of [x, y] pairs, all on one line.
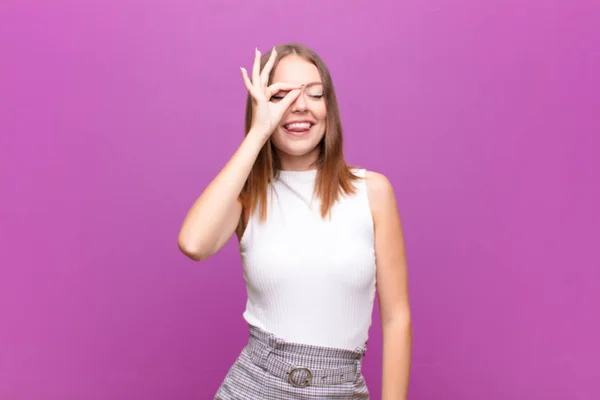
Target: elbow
{"points": [[192, 249], [400, 319]]}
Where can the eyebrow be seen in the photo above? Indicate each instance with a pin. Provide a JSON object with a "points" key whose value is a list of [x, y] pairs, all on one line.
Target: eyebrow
{"points": [[312, 83]]}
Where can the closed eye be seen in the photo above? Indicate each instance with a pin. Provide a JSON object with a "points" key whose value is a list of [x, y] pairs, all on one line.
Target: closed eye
{"points": [[280, 95]]}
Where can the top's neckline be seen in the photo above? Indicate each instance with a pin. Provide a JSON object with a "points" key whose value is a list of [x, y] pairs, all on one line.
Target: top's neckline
{"points": [[306, 174], [294, 172]]}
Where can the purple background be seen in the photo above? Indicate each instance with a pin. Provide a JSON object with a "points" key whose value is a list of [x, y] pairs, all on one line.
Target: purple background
{"points": [[116, 114]]}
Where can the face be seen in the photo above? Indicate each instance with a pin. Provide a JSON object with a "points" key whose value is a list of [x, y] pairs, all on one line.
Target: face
{"points": [[303, 125]]}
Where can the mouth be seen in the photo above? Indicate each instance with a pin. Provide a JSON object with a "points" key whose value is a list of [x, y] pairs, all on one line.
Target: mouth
{"points": [[298, 127]]}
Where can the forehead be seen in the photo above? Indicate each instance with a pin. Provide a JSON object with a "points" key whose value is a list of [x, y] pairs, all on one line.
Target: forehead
{"points": [[296, 70]]}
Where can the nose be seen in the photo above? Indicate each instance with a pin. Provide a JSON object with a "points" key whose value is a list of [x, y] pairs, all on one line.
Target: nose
{"points": [[299, 105]]}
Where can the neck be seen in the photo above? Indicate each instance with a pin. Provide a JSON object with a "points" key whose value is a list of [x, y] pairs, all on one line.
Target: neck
{"points": [[304, 162]]}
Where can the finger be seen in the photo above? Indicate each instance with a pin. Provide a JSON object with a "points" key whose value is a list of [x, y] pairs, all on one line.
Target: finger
{"points": [[290, 98], [247, 82], [256, 68], [264, 75], [279, 86]]}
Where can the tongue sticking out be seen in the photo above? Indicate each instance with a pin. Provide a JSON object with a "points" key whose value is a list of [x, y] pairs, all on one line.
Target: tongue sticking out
{"points": [[298, 127]]}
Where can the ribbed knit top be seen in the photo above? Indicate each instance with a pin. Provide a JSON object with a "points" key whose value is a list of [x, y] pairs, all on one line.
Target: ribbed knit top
{"points": [[311, 280]]}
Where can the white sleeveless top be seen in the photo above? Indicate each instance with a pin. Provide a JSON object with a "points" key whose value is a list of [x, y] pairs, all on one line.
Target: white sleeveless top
{"points": [[311, 280]]}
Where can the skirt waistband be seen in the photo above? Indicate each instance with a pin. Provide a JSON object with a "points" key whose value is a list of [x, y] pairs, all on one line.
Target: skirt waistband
{"points": [[304, 365]]}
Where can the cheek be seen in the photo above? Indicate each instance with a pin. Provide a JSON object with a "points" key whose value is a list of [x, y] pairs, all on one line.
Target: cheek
{"points": [[321, 112]]}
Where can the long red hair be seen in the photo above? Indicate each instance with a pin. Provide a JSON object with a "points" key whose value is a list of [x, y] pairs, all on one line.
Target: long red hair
{"points": [[334, 176]]}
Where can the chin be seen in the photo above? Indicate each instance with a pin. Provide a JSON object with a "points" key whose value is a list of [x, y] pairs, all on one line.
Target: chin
{"points": [[295, 151], [296, 145]]}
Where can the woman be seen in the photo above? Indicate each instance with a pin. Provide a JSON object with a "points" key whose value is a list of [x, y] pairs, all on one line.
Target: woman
{"points": [[316, 238]]}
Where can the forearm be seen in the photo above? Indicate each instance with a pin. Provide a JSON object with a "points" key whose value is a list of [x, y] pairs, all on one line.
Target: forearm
{"points": [[212, 218], [397, 343]]}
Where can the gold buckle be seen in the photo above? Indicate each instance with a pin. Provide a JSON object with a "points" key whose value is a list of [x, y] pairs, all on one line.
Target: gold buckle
{"points": [[303, 383]]}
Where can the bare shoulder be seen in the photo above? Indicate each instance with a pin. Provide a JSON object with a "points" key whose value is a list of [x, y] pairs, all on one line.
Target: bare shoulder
{"points": [[380, 193]]}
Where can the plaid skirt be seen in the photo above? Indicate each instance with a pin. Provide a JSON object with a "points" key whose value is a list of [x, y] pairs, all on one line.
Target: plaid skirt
{"points": [[270, 368]]}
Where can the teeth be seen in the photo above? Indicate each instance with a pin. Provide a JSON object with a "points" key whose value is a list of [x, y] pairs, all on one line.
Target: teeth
{"points": [[300, 125]]}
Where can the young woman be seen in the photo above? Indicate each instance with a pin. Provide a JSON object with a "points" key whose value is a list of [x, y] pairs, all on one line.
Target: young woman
{"points": [[316, 236]]}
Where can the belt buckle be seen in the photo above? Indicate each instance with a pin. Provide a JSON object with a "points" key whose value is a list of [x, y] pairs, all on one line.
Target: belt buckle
{"points": [[303, 383]]}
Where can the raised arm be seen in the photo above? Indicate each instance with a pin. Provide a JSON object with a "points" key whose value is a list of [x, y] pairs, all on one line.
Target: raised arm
{"points": [[215, 214]]}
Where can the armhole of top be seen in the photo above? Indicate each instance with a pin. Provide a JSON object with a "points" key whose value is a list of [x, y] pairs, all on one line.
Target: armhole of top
{"points": [[249, 228], [243, 241], [363, 188]]}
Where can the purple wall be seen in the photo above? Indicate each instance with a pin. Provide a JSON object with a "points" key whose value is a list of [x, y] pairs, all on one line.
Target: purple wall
{"points": [[116, 114]]}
